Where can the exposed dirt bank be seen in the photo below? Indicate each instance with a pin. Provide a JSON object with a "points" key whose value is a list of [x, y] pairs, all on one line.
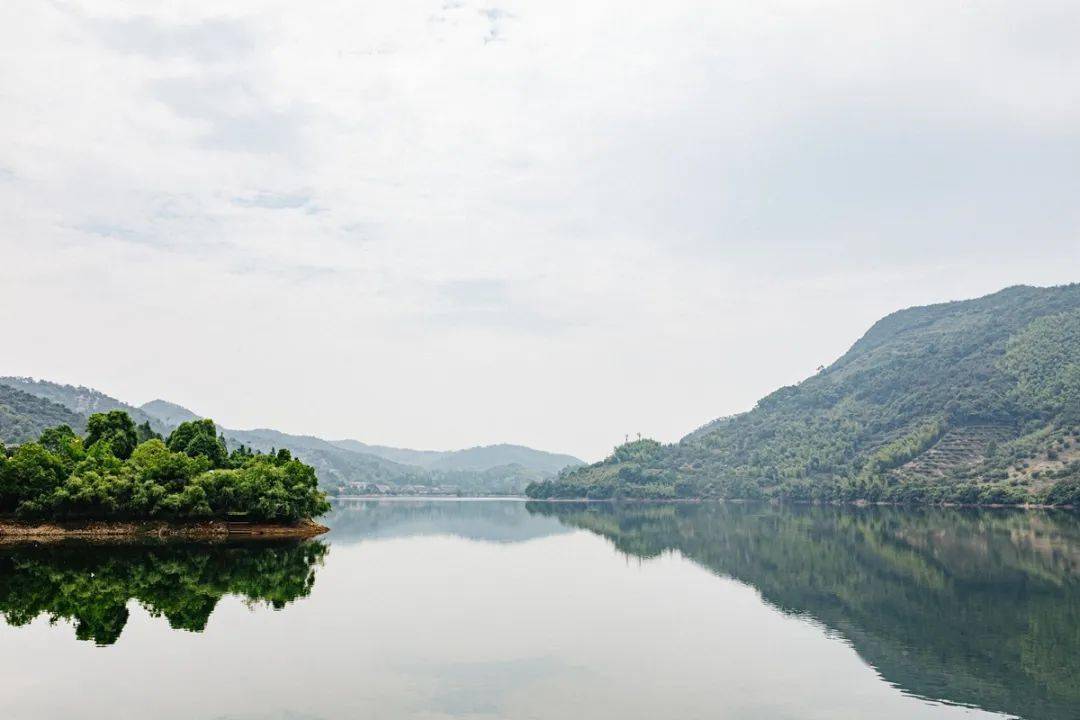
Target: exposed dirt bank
{"points": [[17, 531]]}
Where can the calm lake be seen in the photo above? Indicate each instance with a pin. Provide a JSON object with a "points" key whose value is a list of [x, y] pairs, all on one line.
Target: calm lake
{"points": [[506, 609]]}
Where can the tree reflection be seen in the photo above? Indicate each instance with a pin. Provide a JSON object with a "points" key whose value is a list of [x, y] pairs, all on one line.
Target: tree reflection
{"points": [[91, 585]]}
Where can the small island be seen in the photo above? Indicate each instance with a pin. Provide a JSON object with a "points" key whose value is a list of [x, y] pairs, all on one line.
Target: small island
{"points": [[123, 480]]}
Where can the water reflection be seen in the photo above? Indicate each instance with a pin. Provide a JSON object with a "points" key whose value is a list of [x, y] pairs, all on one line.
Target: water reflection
{"points": [[501, 521], [970, 607], [506, 610], [90, 585]]}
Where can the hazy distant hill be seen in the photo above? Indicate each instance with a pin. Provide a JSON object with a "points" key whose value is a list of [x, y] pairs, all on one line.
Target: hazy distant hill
{"points": [[168, 413], [476, 458], [405, 456], [335, 466], [343, 465], [472, 471], [23, 416], [972, 401]]}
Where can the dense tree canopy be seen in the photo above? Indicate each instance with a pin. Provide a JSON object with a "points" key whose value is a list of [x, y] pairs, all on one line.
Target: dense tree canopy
{"points": [[199, 438], [109, 474], [116, 429]]}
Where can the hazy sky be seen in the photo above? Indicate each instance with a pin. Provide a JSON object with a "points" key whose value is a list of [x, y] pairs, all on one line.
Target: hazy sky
{"points": [[441, 223]]}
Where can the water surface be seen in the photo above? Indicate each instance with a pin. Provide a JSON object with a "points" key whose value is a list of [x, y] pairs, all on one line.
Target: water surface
{"points": [[502, 609]]}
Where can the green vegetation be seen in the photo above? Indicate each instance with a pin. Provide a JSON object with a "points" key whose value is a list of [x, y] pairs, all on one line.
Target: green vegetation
{"points": [[122, 472], [969, 402], [91, 585], [969, 606]]}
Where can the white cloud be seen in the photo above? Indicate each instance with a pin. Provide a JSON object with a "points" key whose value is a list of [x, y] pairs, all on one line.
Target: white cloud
{"points": [[446, 223]]}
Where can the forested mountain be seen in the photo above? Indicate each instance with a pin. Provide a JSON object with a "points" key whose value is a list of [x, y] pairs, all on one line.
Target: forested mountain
{"points": [[973, 401], [24, 416], [82, 400], [346, 466]]}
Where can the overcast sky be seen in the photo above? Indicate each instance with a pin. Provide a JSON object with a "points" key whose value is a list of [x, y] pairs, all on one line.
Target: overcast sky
{"points": [[442, 223]]}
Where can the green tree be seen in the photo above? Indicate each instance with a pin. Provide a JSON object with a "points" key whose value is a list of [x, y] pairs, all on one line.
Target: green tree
{"points": [[30, 472], [155, 463], [62, 442], [239, 457], [115, 429], [144, 432], [199, 438]]}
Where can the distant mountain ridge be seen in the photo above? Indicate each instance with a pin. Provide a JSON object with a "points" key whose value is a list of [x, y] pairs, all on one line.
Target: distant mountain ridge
{"points": [[168, 413], [28, 406], [974, 401], [474, 458]]}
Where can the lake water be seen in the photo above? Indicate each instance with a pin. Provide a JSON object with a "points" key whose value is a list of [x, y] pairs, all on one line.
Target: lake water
{"points": [[503, 609]]}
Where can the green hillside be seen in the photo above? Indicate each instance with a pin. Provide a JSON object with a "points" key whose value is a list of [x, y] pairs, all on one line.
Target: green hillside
{"points": [[81, 400], [23, 416], [975, 401]]}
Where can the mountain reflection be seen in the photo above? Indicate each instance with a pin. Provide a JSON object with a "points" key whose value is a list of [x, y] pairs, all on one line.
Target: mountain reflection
{"points": [[978, 608], [479, 520], [90, 584]]}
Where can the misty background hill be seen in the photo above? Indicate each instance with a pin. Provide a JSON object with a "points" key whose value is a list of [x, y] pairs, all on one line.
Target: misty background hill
{"points": [[28, 406], [475, 458]]}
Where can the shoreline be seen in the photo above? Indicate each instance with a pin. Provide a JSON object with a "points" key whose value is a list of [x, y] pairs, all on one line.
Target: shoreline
{"points": [[836, 503], [21, 531], [700, 500]]}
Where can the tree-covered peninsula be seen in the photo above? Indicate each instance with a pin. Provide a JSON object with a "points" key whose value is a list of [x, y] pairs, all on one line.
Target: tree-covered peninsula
{"points": [[126, 472], [974, 402]]}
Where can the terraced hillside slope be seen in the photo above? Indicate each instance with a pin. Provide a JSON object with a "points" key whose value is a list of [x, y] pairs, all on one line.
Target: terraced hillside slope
{"points": [[975, 401]]}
